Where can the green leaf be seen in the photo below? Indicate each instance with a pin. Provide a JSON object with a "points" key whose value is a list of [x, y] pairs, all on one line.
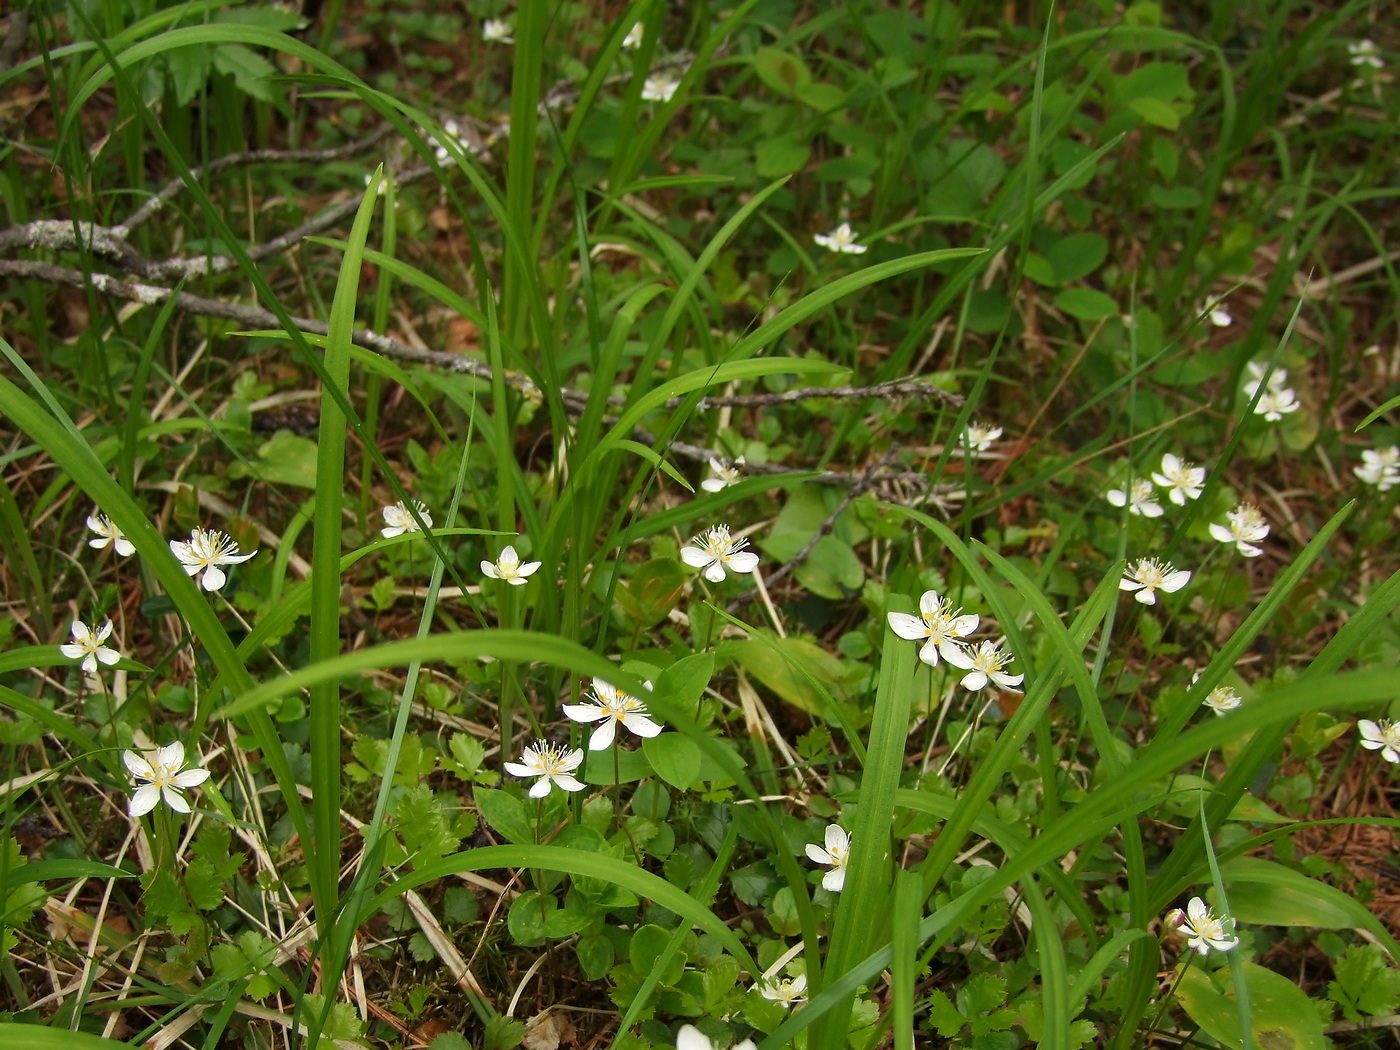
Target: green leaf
{"points": [[781, 156], [506, 814], [784, 73], [1077, 255], [1086, 304], [944, 1015], [1266, 893], [772, 660], [205, 884], [675, 757], [1156, 112], [652, 592], [1281, 1014], [595, 955], [1175, 196], [529, 916], [40, 1037], [648, 946], [1365, 984], [831, 570]]}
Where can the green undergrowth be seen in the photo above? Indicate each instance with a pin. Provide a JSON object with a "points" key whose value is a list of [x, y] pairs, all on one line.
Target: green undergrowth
{"points": [[824, 525]]}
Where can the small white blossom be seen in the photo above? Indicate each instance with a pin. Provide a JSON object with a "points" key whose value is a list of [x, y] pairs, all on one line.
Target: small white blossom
{"points": [[87, 646], [1383, 736], [633, 37], [837, 853], [1220, 316], [204, 552], [659, 87], [1365, 53], [1204, 931], [979, 437], [1257, 370], [1148, 575], [553, 765], [163, 777], [1138, 498], [613, 708], [455, 135], [397, 519], [1184, 480], [507, 567], [109, 533], [1381, 468], [715, 551], [788, 992], [842, 239], [1222, 699], [496, 30], [983, 663], [691, 1038], [938, 622], [1274, 404], [726, 474], [1246, 526]]}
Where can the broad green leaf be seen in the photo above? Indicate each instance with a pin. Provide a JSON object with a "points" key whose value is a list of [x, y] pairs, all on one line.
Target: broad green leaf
{"points": [[1268, 894], [781, 156], [1086, 304], [1078, 255], [1281, 1014], [771, 661], [675, 758], [783, 73], [506, 814]]}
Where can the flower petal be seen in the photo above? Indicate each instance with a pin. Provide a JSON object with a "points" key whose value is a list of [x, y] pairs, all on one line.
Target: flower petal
{"points": [[541, 788], [213, 578], [642, 726], [143, 800], [910, 628], [583, 712], [695, 557], [715, 573], [834, 880], [567, 782], [191, 778], [603, 735], [1146, 596], [139, 767], [818, 855], [175, 800], [744, 561]]}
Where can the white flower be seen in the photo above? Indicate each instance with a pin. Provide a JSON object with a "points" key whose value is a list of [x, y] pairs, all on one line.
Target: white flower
{"points": [[1383, 736], [397, 519], [163, 777], [841, 239], [728, 474], [1246, 526], [633, 37], [88, 647], [979, 437], [788, 992], [612, 707], [659, 87], [837, 854], [508, 568], [691, 1038], [983, 663], [205, 551], [1204, 931], [1148, 575], [496, 30], [1222, 699], [1257, 369], [1182, 478], [1273, 404], [1219, 316], [1138, 498], [1381, 469], [715, 551], [109, 533], [454, 133], [553, 765], [1365, 53], [938, 622]]}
